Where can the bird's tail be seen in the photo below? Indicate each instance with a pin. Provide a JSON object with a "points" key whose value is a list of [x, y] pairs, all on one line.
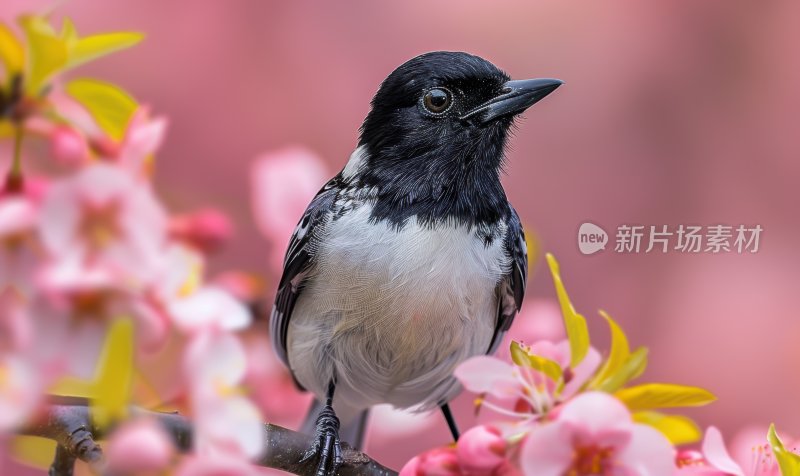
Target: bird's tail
{"points": [[352, 431]]}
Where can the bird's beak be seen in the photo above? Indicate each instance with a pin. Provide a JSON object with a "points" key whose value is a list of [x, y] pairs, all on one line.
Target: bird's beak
{"points": [[515, 98]]}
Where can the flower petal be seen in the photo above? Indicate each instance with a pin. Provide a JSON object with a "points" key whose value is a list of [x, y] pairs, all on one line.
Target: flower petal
{"points": [[716, 453]]}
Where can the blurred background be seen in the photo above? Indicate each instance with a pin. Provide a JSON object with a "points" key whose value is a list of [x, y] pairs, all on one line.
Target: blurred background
{"points": [[672, 113]]}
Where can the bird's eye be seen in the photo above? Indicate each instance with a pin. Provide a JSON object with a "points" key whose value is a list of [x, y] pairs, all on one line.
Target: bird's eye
{"points": [[437, 100]]}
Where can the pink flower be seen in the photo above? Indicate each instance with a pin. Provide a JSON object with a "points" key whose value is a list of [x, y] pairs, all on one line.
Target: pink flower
{"points": [[16, 328], [714, 460], [207, 230], [528, 392], [481, 450], [208, 307], [593, 434], [21, 389], [216, 465], [435, 462], [23, 378], [226, 421], [540, 319], [283, 183], [143, 137], [104, 219], [751, 449], [20, 251], [139, 446], [68, 146], [191, 305]]}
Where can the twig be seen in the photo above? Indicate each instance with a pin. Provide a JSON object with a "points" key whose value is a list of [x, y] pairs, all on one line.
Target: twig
{"points": [[71, 427]]}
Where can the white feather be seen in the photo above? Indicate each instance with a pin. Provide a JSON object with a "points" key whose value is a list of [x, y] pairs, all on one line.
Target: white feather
{"points": [[393, 312]]}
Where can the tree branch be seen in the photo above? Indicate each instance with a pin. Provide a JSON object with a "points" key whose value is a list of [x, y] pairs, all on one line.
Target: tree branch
{"points": [[74, 432]]}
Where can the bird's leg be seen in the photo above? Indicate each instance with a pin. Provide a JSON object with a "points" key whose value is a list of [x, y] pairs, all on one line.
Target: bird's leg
{"points": [[451, 422], [327, 445]]}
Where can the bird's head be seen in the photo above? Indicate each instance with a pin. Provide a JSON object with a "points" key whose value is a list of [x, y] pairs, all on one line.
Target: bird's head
{"points": [[451, 104], [438, 127]]}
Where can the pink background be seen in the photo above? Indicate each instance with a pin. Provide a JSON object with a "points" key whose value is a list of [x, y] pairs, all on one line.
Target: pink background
{"points": [[672, 113]]}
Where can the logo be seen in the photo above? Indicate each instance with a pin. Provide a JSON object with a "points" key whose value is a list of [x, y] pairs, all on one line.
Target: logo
{"points": [[591, 238]]}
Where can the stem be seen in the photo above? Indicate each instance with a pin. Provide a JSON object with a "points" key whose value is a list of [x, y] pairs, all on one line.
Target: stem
{"points": [[14, 180], [71, 426]]}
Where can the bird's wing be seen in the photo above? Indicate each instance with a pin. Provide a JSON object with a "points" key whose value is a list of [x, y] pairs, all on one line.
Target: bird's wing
{"points": [[299, 261], [511, 289]]}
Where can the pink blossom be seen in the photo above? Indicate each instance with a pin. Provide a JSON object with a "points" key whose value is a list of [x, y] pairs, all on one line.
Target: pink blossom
{"points": [[226, 421], [16, 328], [435, 462], [208, 307], [754, 455], [139, 446], [68, 146], [751, 450], [593, 434], [215, 465], [527, 392], [20, 251], [21, 389], [539, 319], [481, 450], [207, 230], [283, 183], [102, 219], [142, 139]]}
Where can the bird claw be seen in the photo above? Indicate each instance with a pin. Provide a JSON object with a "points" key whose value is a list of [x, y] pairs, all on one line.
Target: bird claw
{"points": [[327, 446]]}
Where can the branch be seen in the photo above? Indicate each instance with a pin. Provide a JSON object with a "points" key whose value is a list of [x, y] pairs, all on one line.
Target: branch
{"points": [[72, 429]]}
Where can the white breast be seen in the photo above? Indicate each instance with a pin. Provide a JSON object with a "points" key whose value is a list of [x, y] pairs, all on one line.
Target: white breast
{"points": [[393, 312]]}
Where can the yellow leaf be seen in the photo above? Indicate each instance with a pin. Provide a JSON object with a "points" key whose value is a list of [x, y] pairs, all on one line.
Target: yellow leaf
{"points": [[33, 450], [96, 46], [541, 364], [575, 324], [12, 53], [74, 387], [114, 374], [47, 52], [108, 104], [620, 351], [788, 462], [633, 367], [663, 395], [678, 429], [69, 34]]}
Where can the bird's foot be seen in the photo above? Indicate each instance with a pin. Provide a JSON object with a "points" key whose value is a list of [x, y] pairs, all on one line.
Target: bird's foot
{"points": [[327, 446]]}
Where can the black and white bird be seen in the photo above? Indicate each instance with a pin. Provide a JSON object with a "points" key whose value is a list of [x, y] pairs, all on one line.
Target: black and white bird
{"points": [[410, 260]]}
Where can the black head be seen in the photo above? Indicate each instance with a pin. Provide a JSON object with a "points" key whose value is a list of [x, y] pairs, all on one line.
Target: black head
{"points": [[435, 136]]}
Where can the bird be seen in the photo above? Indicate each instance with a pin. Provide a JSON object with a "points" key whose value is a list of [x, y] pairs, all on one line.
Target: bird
{"points": [[411, 259]]}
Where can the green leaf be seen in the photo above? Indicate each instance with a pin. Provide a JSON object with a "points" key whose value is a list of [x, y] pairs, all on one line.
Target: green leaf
{"points": [[12, 53], [96, 46], [620, 351], [633, 367], [47, 53], [110, 106], [788, 462], [541, 364], [678, 429], [577, 331], [663, 395]]}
